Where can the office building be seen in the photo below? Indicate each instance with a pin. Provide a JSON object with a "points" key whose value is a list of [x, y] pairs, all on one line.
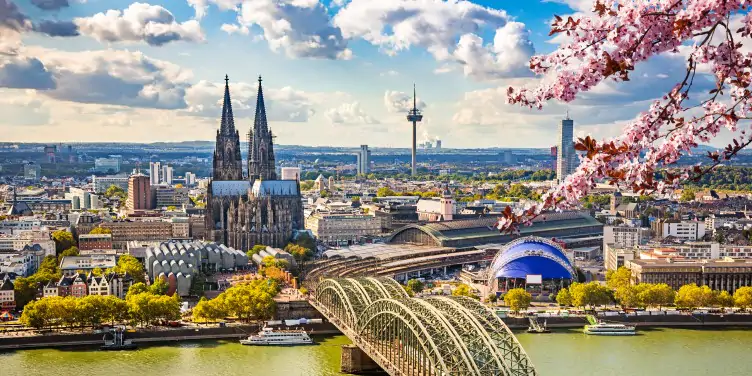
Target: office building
{"points": [[70, 265], [90, 242], [566, 157], [683, 230], [364, 160], [190, 179], [81, 199], [627, 237], [155, 171], [615, 257], [343, 228], [290, 173], [32, 171], [167, 174], [102, 183], [139, 193], [726, 274], [127, 231], [508, 157], [166, 196], [438, 144], [107, 165]]}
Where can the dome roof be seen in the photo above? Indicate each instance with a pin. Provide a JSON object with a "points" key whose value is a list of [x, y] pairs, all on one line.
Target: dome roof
{"points": [[532, 255]]}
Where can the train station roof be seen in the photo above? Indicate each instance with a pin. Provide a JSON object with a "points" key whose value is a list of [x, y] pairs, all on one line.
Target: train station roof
{"points": [[383, 251]]}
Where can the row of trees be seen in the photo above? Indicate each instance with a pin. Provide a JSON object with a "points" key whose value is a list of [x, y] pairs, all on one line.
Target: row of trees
{"points": [[142, 305], [620, 290], [252, 300]]}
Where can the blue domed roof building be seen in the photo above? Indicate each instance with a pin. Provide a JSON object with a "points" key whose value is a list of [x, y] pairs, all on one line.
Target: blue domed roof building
{"points": [[530, 256]]}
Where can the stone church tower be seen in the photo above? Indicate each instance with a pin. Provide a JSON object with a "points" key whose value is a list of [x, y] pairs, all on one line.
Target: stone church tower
{"points": [[228, 165], [241, 213], [260, 144]]}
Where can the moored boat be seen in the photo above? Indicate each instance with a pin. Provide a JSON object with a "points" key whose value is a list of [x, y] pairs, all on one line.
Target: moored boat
{"points": [[604, 329], [271, 337]]}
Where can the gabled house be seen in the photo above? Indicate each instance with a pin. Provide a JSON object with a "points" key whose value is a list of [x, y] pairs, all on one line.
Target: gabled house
{"points": [[7, 295], [98, 285], [79, 289], [50, 289], [65, 285]]}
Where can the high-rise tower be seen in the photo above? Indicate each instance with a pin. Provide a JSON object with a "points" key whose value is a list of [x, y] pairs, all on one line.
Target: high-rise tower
{"points": [[261, 144], [228, 165], [566, 157], [414, 116]]}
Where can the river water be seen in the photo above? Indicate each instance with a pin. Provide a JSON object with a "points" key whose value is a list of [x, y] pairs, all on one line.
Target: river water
{"points": [[660, 352]]}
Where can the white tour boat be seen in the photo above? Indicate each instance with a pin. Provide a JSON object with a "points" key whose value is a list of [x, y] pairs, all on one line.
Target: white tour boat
{"points": [[603, 329], [271, 337]]}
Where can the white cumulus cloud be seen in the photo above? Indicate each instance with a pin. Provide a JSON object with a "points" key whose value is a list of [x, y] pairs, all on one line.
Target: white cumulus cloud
{"points": [[152, 24], [397, 101], [349, 113], [450, 30]]}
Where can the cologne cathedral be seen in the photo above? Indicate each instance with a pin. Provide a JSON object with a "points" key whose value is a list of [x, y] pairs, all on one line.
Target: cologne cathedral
{"points": [[256, 209]]}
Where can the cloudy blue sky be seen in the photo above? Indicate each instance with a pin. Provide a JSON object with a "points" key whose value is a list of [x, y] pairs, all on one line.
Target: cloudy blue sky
{"points": [[336, 72]]}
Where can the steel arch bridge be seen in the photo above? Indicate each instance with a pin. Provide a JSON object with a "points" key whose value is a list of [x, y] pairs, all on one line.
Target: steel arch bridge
{"points": [[435, 336]]}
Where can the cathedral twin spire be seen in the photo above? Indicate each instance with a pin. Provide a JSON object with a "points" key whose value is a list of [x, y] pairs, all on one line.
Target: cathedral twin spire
{"points": [[227, 159]]}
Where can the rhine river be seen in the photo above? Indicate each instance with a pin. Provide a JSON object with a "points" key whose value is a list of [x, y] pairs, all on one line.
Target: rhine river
{"points": [[660, 352]]}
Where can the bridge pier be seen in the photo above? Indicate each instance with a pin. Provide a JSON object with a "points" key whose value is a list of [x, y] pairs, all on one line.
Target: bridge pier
{"points": [[355, 361]]}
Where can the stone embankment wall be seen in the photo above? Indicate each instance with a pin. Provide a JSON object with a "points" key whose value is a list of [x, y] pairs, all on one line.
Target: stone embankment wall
{"points": [[644, 321], [144, 336]]}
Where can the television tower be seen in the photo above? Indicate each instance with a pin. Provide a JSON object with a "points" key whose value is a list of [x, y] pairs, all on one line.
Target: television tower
{"points": [[414, 116]]}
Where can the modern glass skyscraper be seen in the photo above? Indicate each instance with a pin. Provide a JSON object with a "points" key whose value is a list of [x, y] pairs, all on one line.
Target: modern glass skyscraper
{"points": [[566, 157], [364, 160]]}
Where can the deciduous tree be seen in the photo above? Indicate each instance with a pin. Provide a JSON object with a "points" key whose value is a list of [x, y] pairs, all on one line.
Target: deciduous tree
{"points": [[517, 299], [743, 297]]}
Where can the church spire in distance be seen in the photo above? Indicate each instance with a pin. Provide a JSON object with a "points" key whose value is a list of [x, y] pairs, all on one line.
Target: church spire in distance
{"points": [[260, 124], [227, 163], [261, 163], [228, 121]]}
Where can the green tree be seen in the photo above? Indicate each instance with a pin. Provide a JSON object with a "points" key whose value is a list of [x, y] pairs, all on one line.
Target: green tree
{"points": [[135, 289], [724, 300], [97, 272], [415, 285], [72, 251], [517, 299], [688, 194], [100, 230], [63, 240], [159, 287], [115, 192], [300, 253], [492, 298], [589, 294], [743, 297], [25, 290], [621, 277], [464, 290], [656, 295], [564, 298], [172, 208], [131, 265], [692, 296], [385, 192]]}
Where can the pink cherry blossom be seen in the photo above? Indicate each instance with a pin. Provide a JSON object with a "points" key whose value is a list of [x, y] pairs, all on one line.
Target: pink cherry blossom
{"points": [[607, 44]]}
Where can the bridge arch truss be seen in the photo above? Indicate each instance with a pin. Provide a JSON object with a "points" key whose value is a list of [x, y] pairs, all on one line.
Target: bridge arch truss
{"points": [[435, 336]]}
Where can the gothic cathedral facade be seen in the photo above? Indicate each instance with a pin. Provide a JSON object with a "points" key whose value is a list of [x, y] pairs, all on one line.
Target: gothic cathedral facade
{"points": [[259, 209]]}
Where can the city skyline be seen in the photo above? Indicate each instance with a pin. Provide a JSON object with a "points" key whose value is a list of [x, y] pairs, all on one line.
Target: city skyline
{"points": [[73, 71]]}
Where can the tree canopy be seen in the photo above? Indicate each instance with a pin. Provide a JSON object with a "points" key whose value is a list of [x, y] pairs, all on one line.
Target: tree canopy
{"points": [[517, 299], [252, 300], [63, 240], [100, 230]]}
